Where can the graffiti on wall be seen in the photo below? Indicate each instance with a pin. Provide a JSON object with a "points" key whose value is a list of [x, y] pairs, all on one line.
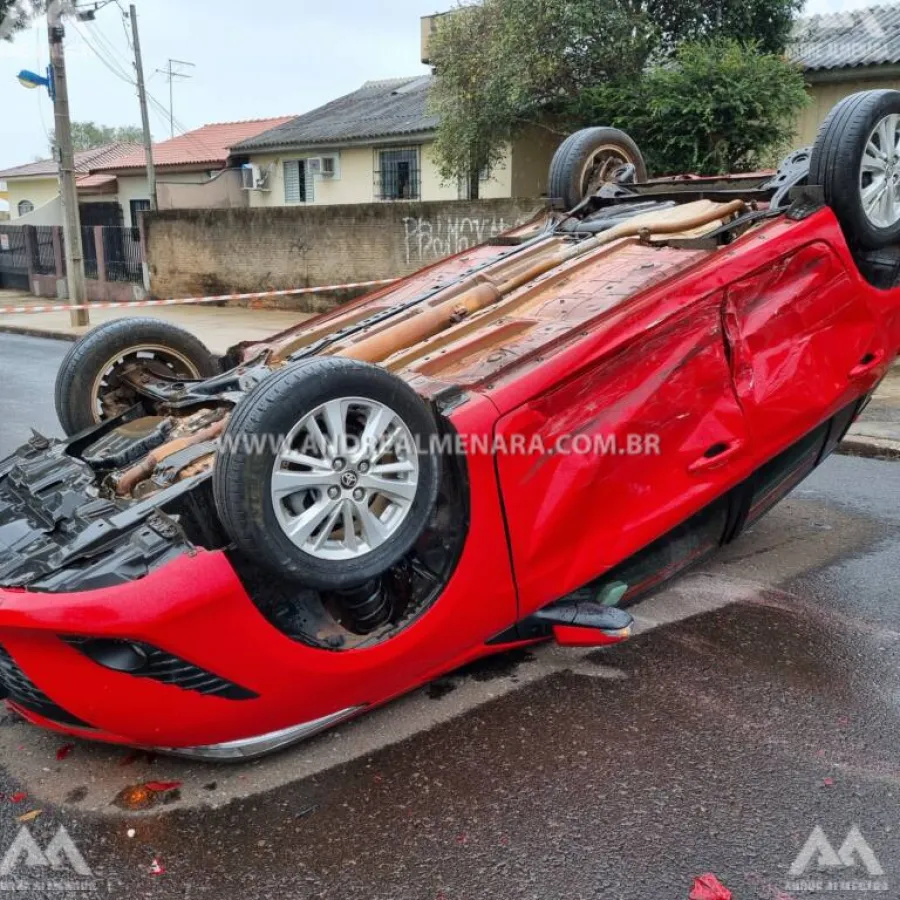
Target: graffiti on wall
{"points": [[431, 239]]}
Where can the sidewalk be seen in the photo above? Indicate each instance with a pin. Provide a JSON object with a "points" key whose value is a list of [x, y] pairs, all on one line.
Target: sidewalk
{"points": [[218, 327], [877, 434]]}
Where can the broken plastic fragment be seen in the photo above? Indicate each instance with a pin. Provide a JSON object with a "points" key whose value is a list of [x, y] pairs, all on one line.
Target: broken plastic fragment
{"points": [[18, 797], [160, 787], [708, 887], [156, 867]]}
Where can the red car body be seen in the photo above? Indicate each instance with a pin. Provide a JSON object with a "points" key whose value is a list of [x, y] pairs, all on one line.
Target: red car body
{"points": [[732, 373]]}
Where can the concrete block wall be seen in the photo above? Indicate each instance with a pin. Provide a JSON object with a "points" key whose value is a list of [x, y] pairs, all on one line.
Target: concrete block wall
{"points": [[211, 252]]}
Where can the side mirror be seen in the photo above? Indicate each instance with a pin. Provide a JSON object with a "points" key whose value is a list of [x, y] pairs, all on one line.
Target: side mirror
{"points": [[586, 624]]}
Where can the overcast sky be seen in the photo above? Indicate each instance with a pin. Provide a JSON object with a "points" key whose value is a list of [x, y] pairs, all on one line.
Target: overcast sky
{"points": [[253, 60]]}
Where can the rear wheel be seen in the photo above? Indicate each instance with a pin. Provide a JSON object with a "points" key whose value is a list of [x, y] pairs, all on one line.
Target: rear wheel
{"points": [[328, 472], [856, 161], [588, 159], [91, 386]]}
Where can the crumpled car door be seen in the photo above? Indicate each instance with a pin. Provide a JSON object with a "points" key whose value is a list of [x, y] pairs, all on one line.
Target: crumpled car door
{"points": [[803, 345], [621, 453]]}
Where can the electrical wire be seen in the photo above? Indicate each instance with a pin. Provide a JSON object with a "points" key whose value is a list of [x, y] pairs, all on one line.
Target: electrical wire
{"points": [[125, 17], [103, 54]]}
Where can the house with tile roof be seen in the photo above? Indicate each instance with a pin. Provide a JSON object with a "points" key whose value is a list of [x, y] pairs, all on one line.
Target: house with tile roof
{"points": [[842, 53], [193, 170], [33, 189], [375, 144]]}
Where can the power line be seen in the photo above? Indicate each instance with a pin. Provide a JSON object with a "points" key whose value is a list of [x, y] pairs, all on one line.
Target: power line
{"points": [[106, 51]]}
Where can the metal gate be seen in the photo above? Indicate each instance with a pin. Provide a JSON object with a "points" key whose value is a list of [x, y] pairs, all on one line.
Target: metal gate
{"points": [[13, 258]]}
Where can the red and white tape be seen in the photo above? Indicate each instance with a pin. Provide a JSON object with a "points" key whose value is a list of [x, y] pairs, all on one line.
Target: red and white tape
{"points": [[71, 307]]}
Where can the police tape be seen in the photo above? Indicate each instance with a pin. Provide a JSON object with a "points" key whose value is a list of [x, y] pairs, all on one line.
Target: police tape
{"points": [[134, 304]]}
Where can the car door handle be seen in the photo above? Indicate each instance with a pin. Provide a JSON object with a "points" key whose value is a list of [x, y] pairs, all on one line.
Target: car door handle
{"points": [[867, 363], [717, 455]]}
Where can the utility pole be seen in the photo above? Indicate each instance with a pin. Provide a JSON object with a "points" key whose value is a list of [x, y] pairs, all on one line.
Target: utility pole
{"points": [[66, 157], [171, 74], [145, 119]]}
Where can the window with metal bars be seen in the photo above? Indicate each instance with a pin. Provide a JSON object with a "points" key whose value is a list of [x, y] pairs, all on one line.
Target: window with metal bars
{"points": [[298, 185], [397, 174]]}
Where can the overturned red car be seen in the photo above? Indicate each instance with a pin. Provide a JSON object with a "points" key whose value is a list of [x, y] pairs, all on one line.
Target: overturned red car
{"points": [[510, 446]]}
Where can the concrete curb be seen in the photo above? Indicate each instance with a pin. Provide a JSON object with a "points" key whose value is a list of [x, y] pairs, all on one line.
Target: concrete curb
{"points": [[39, 333]]}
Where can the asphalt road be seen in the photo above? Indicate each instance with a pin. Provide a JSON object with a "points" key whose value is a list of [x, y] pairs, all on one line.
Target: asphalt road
{"points": [[760, 701]]}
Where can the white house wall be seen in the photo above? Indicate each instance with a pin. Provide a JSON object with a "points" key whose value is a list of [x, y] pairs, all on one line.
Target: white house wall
{"points": [[36, 190], [49, 213], [355, 181]]}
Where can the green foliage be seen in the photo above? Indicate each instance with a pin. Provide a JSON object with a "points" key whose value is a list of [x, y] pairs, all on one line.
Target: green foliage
{"points": [[16, 15], [88, 135], [721, 106], [504, 64], [766, 22]]}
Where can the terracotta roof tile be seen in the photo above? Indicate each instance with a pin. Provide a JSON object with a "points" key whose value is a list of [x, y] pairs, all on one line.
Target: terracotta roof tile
{"points": [[85, 160], [206, 146]]}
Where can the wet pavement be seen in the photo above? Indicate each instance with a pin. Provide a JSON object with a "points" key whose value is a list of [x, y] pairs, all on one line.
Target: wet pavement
{"points": [[760, 700]]}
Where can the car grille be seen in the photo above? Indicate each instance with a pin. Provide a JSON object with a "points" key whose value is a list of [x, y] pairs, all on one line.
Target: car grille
{"points": [[25, 693], [170, 669]]}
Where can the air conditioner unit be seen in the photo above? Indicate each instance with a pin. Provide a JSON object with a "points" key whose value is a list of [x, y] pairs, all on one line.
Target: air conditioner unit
{"points": [[253, 178], [323, 166]]}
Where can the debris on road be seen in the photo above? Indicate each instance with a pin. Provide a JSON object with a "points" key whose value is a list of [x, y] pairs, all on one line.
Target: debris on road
{"points": [[162, 787], [708, 887]]}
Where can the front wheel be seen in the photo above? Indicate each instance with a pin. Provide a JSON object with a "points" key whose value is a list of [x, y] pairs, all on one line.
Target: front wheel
{"points": [[91, 386], [328, 472]]}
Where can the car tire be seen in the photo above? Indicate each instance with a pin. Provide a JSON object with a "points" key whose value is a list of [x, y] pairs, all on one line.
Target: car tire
{"points": [[586, 158], [332, 547], [80, 385], [843, 168]]}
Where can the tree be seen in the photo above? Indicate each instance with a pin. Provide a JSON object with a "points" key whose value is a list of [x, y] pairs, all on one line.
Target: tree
{"points": [[505, 64], [764, 22], [16, 15], [720, 106], [88, 135]]}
